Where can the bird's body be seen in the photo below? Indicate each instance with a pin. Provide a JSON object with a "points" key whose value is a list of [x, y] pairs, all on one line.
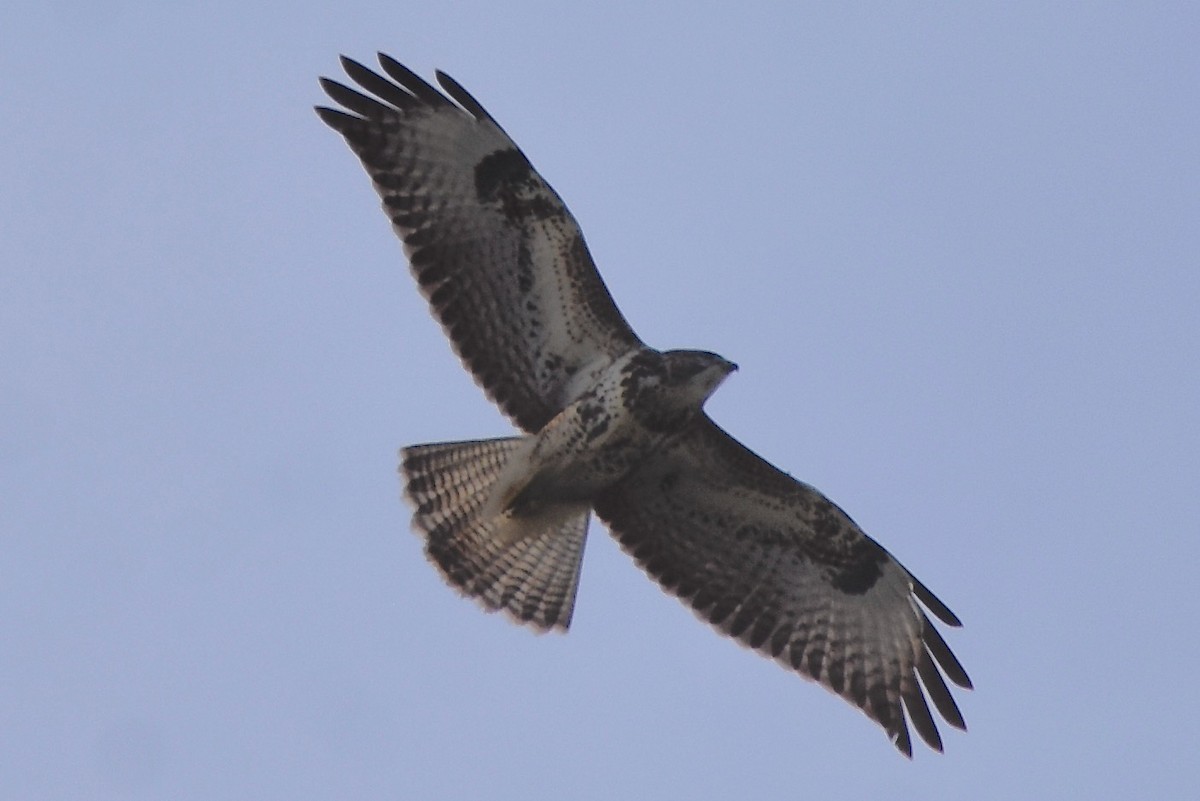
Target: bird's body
{"points": [[614, 426], [639, 403]]}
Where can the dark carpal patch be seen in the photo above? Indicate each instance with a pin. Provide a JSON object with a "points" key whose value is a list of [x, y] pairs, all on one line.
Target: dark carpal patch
{"points": [[860, 570], [507, 178], [500, 169]]}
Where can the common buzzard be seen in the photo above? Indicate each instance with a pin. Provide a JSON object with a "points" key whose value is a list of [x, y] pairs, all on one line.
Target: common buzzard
{"points": [[613, 425]]}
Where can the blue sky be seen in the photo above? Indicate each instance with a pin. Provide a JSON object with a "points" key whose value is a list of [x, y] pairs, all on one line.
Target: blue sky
{"points": [[953, 248]]}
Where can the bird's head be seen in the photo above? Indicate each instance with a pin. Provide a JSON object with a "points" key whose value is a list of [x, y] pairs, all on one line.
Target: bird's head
{"points": [[695, 374], [666, 390]]}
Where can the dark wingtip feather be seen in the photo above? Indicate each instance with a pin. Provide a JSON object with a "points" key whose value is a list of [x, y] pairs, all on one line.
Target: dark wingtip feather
{"points": [[935, 605], [412, 82], [945, 659], [378, 85], [918, 712], [938, 692], [352, 99], [337, 120], [902, 741], [462, 96]]}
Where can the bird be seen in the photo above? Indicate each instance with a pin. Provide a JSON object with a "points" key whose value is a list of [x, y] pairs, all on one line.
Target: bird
{"points": [[611, 426]]}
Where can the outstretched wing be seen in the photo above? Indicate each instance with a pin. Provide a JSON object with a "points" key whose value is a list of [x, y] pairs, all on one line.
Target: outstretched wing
{"points": [[497, 254], [774, 563]]}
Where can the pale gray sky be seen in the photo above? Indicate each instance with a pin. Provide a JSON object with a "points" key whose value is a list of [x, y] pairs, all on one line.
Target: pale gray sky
{"points": [[953, 247]]}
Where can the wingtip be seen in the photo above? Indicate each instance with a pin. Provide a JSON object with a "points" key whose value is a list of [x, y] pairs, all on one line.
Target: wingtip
{"points": [[332, 117], [349, 65], [903, 742], [935, 604], [391, 66]]}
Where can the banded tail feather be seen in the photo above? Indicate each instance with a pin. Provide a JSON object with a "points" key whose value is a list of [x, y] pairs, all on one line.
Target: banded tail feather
{"points": [[524, 565]]}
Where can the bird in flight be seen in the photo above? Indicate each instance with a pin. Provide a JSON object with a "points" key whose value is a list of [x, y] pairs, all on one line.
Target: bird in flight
{"points": [[613, 425]]}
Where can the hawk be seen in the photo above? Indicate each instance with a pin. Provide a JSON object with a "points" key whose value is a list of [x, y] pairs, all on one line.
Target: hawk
{"points": [[612, 425]]}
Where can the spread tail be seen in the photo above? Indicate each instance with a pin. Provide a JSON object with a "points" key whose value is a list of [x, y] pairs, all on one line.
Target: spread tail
{"points": [[525, 565]]}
